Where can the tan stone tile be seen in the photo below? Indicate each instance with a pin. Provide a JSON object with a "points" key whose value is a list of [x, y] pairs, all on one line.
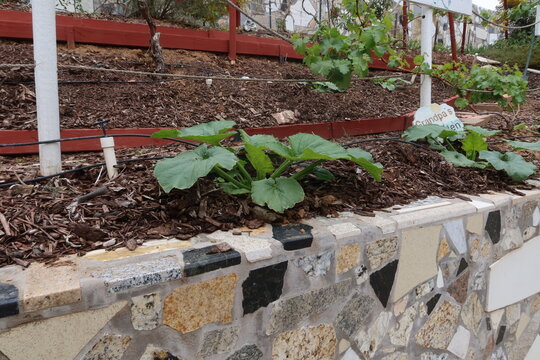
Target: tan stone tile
{"points": [[58, 338], [313, 343], [348, 257], [475, 223], [417, 260], [49, 286], [110, 347], [149, 247], [190, 307]]}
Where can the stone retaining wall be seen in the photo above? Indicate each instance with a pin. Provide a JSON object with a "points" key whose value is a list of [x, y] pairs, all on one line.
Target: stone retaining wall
{"points": [[435, 280]]}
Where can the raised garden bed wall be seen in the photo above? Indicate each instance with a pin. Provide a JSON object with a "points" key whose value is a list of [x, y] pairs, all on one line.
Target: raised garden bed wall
{"points": [[451, 279]]}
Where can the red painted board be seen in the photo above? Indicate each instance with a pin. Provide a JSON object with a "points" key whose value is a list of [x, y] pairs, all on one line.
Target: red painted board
{"points": [[367, 126], [322, 129], [24, 136]]}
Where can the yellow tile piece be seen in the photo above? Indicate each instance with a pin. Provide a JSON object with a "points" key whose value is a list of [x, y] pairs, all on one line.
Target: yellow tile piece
{"points": [[124, 253], [50, 286], [190, 307], [313, 343], [348, 257], [58, 338], [444, 249]]}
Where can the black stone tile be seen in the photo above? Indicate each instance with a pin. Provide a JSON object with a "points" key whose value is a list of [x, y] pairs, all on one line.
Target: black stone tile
{"points": [[493, 226], [488, 324], [382, 280], [263, 286], [500, 336], [432, 302], [463, 264], [9, 300], [293, 236], [202, 260]]}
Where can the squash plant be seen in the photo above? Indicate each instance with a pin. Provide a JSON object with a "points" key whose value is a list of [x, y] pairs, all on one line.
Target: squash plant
{"points": [[470, 149], [258, 167]]}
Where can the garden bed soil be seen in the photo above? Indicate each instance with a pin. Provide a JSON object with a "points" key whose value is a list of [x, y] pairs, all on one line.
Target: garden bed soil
{"points": [[43, 221], [88, 96]]}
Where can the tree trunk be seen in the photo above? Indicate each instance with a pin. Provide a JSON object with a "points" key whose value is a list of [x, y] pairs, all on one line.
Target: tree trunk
{"points": [[155, 47]]}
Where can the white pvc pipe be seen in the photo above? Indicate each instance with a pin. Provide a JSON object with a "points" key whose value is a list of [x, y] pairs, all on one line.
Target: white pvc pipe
{"points": [[46, 78], [426, 46], [107, 144]]}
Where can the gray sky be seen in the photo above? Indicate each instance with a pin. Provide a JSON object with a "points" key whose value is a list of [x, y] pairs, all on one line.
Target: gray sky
{"points": [[488, 4]]}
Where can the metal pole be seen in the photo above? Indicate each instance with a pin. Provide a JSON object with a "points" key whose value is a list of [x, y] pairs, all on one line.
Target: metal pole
{"points": [[46, 79], [529, 55], [463, 38], [320, 10], [426, 46], [505, 6], [270, 14]]}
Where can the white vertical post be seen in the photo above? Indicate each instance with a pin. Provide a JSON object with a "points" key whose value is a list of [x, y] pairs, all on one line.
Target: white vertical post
{"points": [[46, 78], [537, 19], [426, 46]]}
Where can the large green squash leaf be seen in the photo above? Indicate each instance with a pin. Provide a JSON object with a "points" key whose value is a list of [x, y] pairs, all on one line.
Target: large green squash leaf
{"points": [[182, 171], [522, 145], [365, 160], [313, 147], [461, 160], [258, 159], [482, 131], [212, 132], [513, 164], [278, 194], [417, 132]]}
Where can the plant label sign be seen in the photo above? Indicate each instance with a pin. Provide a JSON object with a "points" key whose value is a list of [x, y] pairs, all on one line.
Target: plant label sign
{"points": [[455, 6], [443, 115]]}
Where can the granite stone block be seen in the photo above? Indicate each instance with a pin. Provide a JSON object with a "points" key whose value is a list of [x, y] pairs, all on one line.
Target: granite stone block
{"points": [[247, 352], [9, 300], [199, 261], [354, 314], [493, 226], [293, 236], [382, 280], [263, 286]]}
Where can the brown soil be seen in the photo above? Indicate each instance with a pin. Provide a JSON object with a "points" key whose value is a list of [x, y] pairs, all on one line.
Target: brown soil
{"points": [[186, 102]]}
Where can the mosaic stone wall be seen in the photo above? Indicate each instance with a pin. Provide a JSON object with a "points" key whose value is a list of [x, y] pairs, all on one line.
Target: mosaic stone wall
{"points": [[435, 280]]}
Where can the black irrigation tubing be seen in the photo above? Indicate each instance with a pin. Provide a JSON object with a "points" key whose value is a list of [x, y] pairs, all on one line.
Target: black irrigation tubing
{"points": [[93, 82], [92, 137], [385, 139]]}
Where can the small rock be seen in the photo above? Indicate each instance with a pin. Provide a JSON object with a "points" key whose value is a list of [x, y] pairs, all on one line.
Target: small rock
{"points": [[131, 244], [264, 214], [284, 117], [88, 232], [328, 199], [109, 243], [21, 189], [220, 248]]}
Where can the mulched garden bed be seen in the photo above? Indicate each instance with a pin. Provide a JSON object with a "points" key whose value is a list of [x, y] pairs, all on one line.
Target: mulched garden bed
{"points": [[187, 102]]}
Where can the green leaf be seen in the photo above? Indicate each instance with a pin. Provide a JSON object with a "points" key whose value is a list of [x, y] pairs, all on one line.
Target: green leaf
{"points": [[182, 171], [482, 131], [268, 142], [473, 143], [278, 194], [522, 145], [513, 164], [322, 67], [418, 59], [365, 160], [461, 102], [313, 147], [520, 126], [461, 160], [258, 159], [423, 131], [323, 174], [211, 132]]}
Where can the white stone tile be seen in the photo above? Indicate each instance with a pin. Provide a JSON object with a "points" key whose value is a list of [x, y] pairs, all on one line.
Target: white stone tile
{"points": [[418, 259], [536, 216], [498, 199], [428, 216], [460, 342], [385, 224], [344, 231], [58, 338], [440, 279], [533, 194], [254, 248], [482, 205], [457, 235], [515, 276], [534, 351], [475, 224], [350, 355], [422, 207]]}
